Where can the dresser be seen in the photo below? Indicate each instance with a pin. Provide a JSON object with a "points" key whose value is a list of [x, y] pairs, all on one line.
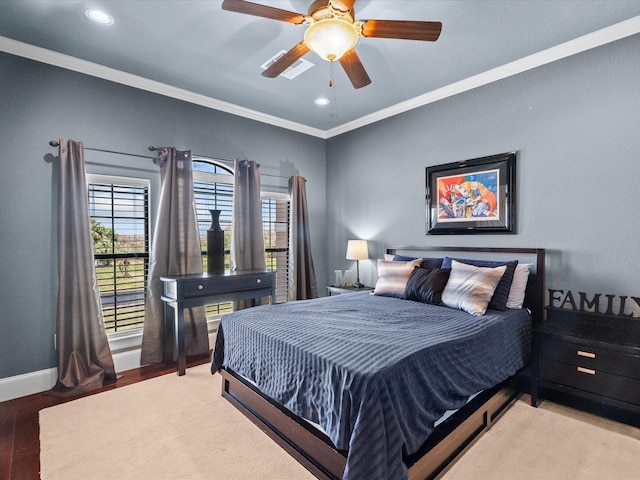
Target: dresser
{"points": [[591, 360], [194, 290]]}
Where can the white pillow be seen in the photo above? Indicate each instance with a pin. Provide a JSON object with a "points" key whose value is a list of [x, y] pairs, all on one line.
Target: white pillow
{"points": [[470, 288], [393, 277], [519, 285]]}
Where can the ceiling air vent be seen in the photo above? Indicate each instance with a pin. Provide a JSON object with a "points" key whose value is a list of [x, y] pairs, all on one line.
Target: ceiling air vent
{"points": [[294, 70]]}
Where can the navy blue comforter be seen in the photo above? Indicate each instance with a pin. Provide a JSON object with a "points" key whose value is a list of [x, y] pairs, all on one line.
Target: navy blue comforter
{"points": [[374, 372]]}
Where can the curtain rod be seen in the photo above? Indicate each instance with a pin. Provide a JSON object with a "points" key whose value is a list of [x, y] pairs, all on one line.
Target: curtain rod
{"points": [[224, 160], [55, 143]]}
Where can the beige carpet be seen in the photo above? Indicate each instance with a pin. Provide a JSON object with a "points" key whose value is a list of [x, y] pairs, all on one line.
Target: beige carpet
{"points": [[169, 427], [552, 442], [180, 428]]}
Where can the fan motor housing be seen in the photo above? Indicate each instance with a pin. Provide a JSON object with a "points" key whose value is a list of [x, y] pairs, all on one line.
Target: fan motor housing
{"points": [[320, 10]]}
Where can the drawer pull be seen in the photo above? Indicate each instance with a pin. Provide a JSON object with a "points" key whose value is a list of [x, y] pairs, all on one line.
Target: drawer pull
{"points": [[259, 280], [586, 354], [200, 287], [586, 370]]}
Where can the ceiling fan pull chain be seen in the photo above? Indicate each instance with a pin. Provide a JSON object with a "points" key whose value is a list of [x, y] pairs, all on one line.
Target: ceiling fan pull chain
{"points": [[331, 74], [333, 91]]}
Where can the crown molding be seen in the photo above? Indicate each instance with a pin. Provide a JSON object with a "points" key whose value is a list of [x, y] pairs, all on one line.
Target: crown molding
{"points": [[567, 49], [69, 62], [592, 40]]}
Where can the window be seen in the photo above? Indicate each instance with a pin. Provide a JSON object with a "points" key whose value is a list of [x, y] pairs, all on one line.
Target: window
{"points": [[275, 225], [119, 215], [213, 189]]}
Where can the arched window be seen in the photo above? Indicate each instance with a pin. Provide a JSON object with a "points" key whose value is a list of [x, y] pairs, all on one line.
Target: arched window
{"points": [[213, 189]]}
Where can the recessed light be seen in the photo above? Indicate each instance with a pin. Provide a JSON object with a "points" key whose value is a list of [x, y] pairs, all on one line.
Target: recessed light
{"points": [[98, 16], [321, 101]]}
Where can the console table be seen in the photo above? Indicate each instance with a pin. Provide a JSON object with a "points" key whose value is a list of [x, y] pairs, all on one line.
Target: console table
{"points": [[199, 289]]}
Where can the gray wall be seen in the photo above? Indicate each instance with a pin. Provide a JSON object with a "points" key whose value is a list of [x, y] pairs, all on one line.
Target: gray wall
{"points": [[575, 125], [41, 103]]}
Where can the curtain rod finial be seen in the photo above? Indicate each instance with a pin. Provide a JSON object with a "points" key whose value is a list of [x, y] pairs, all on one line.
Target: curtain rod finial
{"points": [[53, 143], [152, 149]]}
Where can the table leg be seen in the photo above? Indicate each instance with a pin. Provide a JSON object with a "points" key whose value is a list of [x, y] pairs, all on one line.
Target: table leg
{"points": [[181, 354], [535, 394], [169, 332]]}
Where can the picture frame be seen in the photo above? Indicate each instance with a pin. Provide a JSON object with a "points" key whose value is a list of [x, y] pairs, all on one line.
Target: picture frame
{"points": [[472, 196]]}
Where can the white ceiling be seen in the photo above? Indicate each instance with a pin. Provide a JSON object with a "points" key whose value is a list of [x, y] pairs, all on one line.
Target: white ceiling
{"points": [[193, 50]]}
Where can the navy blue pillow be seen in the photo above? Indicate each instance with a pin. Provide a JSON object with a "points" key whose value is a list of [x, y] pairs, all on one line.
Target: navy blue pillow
{"points": [[426, 261], [426, 285], [501, 293]]}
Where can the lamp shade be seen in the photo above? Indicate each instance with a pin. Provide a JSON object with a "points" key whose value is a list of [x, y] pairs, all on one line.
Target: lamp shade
{"points": [[331, 38], [357, 250]]}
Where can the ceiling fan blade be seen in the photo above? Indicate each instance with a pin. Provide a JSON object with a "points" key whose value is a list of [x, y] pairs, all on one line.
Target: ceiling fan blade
{"points": [[240, 6], [354, 69], [403, 29], [286, 60]]}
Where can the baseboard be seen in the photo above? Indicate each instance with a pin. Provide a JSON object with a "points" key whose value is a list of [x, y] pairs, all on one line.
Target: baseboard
{"points": [[27, 384], [43, 380], [124, 361]]}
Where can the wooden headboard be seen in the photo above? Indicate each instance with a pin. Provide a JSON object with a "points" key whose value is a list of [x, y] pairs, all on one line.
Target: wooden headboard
{"points": [[534, 298]]}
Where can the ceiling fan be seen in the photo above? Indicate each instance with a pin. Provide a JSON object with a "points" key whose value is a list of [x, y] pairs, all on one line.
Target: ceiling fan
{"points": [[332, 32]]}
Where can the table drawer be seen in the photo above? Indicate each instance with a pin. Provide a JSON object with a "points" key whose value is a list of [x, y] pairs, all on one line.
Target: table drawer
{"points": [[195, 287], [612, 362], [591, 380]]}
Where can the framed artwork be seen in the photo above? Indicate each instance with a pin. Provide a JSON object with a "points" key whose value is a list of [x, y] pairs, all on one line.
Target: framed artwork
{"points": [[472, 196]]}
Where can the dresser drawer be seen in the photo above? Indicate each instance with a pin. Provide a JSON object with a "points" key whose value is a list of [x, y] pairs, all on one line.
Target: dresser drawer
{"points": [[213, 286], [591, 380], [599, 359]]}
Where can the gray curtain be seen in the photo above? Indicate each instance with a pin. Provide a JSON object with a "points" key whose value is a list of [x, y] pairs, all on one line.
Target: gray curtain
{"points": [[302, 275], [247, 242], [84, 357], [175, 250]]}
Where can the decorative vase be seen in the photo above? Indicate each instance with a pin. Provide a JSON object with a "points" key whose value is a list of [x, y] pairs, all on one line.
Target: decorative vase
{"points": [[215, 244]]}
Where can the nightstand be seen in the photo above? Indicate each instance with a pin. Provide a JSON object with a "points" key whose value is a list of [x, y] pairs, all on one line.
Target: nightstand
{"points": [[340, 290], [591, 361]]}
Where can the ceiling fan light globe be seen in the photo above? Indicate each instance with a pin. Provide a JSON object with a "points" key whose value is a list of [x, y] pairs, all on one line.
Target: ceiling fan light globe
{"points": [[331, 38]]}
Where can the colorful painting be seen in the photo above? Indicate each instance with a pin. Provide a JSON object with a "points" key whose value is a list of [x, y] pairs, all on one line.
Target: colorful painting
{"points": [[472, 196]]}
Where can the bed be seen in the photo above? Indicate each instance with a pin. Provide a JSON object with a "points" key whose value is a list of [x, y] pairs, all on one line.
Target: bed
{"points": [[380, 386]]}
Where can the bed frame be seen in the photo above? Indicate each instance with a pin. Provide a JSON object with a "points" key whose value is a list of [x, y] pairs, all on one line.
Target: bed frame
{"points": [[448, 441]]}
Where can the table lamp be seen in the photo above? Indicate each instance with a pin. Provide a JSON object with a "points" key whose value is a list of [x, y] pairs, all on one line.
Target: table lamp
{"points": [[357, 250]]}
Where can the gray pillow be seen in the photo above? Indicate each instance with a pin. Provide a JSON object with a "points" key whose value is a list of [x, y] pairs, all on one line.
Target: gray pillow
{"points": [[393, 276], [470, 288], [499, 299]]}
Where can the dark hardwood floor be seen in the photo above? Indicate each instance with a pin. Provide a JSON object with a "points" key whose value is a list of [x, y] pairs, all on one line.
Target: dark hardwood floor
{"points": [[20, 429]]}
